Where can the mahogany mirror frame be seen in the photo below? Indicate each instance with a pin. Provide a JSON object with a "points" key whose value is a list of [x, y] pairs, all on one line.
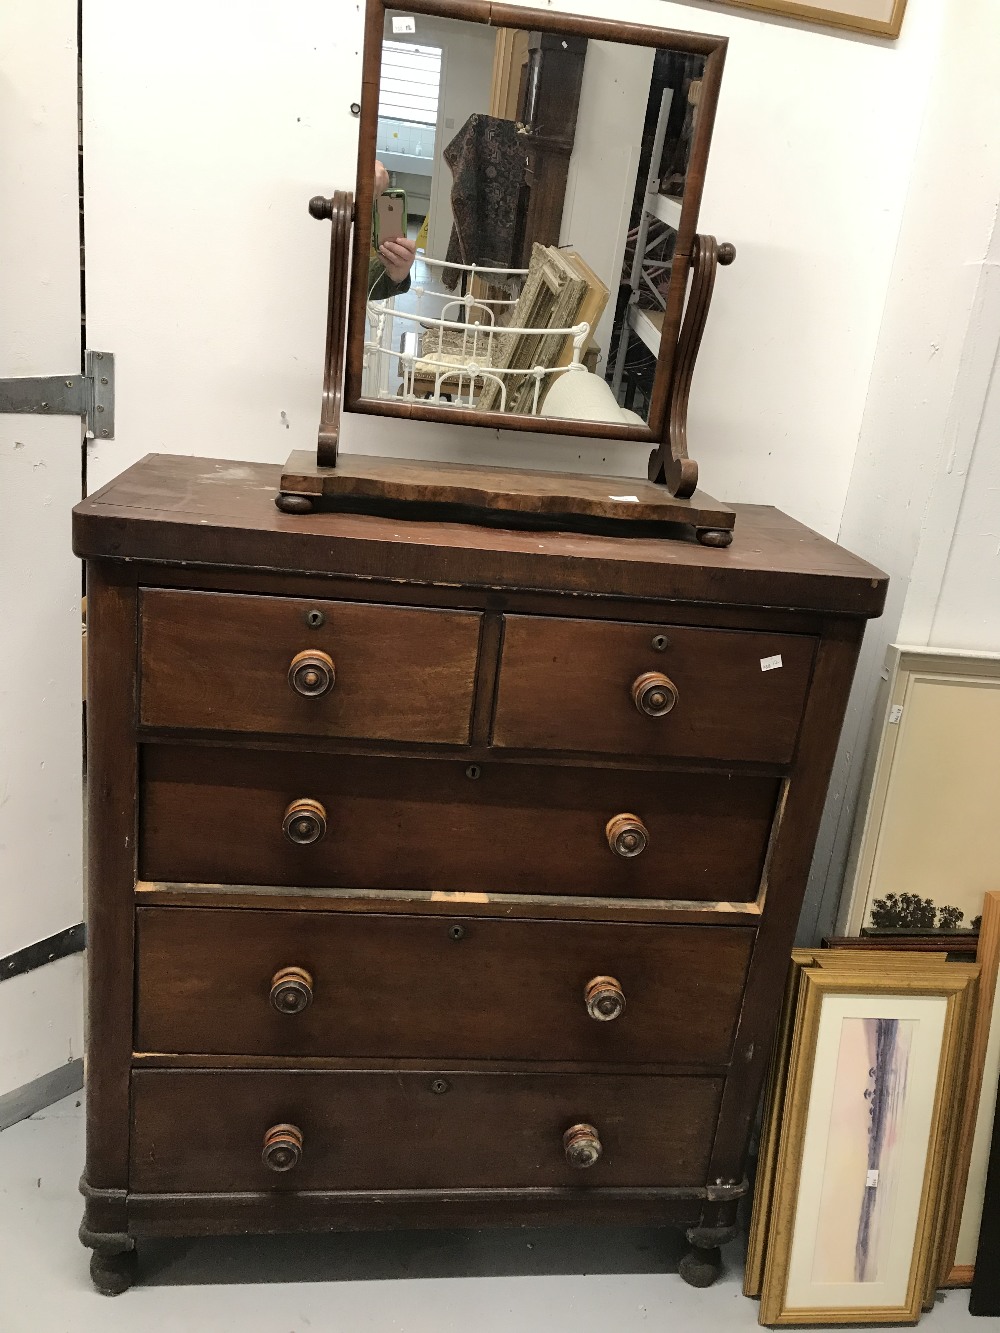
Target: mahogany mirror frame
{"points": [[500, 15]]}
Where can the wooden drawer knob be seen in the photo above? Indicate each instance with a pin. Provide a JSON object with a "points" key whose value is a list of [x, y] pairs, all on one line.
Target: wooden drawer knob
{"points": [[654, 694], [604, 998], [291, 990], [581, 1145], [627, 835], [312, 674], [282, 1147], [304, 822]]}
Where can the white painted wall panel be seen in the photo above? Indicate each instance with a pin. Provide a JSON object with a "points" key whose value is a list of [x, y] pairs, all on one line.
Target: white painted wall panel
{"points": [[604, 165], [40, 693], [41, 1021], [923, 390], [967, 614]]}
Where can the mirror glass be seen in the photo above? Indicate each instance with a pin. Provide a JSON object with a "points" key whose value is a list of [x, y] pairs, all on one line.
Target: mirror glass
{"points": [[528, 193]]}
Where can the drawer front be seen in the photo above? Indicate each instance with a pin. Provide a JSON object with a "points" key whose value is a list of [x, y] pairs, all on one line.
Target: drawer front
{"points": [[219, 982], [222, 661], [217, 816], [205, 1131], [572, 685]]}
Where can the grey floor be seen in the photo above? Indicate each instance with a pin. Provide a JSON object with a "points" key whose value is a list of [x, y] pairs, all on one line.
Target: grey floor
{"points": [[579, 1281]]}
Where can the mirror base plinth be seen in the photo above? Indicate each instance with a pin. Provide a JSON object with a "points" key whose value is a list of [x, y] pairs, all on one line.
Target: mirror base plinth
{"points": [[501, 497]]}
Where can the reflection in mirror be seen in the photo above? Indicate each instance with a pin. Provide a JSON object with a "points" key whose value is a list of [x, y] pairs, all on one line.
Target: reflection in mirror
{"points": [[528, 198]]}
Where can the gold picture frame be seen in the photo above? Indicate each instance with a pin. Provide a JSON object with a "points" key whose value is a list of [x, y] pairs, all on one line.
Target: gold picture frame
{"points": [[774, 1096], [811, 1235], [851, 14]]}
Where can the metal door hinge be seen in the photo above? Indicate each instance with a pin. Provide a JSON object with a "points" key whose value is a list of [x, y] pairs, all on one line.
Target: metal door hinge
{"points": [[91, 395]]}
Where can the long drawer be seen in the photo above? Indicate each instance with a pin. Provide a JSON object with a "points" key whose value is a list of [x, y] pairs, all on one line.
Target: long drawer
{"points": [[616, 688], [230, 662], [234, 817], [242, 982], [197, 1130]]}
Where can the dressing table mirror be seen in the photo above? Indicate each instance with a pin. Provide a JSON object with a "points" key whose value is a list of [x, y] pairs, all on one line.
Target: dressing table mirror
{"points": [[521, 252]]}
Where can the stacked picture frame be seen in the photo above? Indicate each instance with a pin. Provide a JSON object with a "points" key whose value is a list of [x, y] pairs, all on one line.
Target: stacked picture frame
{"points": [[860, 1143]]}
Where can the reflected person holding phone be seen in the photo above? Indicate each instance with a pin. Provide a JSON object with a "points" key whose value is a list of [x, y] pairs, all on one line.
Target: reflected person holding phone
{"points": [[389, 266]]}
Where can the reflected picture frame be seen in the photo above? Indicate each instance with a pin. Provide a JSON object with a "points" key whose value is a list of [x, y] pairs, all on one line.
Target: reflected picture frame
{"points": [[879, 18], [862, 1138]]}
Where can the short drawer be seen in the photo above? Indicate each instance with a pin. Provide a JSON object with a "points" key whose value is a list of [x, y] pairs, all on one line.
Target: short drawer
{"points": [[212, 815], [242, 982], [206, 1131], [229, 662], [614, 688]]}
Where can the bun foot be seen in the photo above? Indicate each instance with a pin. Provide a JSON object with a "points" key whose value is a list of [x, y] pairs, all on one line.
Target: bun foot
{"points": [[714, 536], [112, 1274], [700, 1268], [294, 504]]}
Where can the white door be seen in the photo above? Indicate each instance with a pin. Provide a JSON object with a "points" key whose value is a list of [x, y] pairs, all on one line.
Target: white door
{"points": [[40, 479]]}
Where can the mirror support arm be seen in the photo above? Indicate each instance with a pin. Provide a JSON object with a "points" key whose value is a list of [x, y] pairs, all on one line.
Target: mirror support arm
{"points": [[339, 208], [669, 463]]}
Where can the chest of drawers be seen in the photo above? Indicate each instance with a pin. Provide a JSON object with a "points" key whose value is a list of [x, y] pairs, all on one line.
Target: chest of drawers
{"points": [[439, 875]]}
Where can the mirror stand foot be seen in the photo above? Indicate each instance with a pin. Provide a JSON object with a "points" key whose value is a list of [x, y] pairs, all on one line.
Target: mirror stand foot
{"points": [[714, 536], [294, 504]]}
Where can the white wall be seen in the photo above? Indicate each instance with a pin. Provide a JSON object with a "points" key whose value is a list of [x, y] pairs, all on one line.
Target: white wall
{"points": [[40, 651], [929, 382], [968, 606], [600, 184]]}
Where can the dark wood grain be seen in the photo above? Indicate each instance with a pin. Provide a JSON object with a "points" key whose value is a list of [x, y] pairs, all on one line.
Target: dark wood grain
{"points": [[566, 683], [222, 662], [530, 907], [518, 848], [788, 872], [438, 988], [215, 815], [265, 1212], [518, 493], [405, 1131], [178, 510], [111, 841]]}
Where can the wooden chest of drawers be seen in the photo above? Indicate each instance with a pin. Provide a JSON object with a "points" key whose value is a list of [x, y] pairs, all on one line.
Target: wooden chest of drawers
{"points": [[439, 875]]}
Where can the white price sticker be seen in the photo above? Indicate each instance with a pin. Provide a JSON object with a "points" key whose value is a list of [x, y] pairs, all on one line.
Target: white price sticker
{"points": [[872, 1181], [895, 713], [404, 25], [770, 663]]}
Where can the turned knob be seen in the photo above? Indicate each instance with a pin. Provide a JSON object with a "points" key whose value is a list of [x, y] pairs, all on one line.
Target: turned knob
{"points": [[654, 694], [282, 1147], [627, 835], [304, 822], [581, 1145], [291, 990], [312, 674], [604, 998]]}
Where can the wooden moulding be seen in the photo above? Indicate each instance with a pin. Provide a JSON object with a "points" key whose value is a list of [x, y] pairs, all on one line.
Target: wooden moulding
{"points": [[988, 956], [512, 497]]}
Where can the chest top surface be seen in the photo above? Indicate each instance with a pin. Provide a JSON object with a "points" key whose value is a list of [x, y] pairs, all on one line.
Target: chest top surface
{"points": [[177, 510]]}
